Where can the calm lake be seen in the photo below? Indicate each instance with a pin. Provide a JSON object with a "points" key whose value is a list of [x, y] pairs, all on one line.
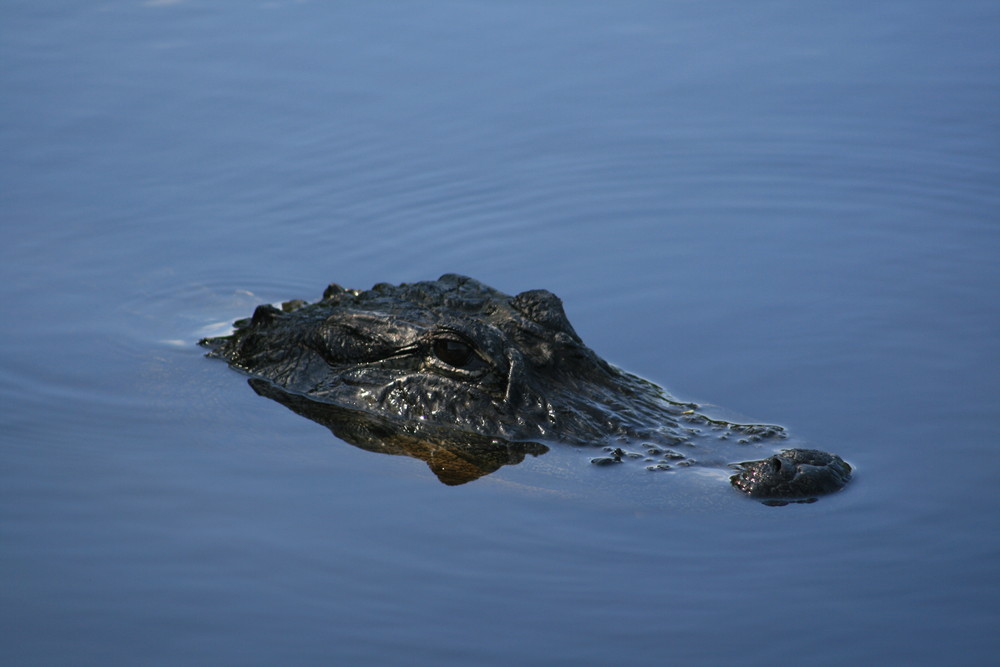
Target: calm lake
{"points": [[786, 211]]}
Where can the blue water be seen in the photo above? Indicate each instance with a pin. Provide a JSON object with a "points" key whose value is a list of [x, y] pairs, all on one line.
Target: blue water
{"points": [[787, 210]]}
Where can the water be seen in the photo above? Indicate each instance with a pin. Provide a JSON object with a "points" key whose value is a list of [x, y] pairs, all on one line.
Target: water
{"points": [[787, 210]]}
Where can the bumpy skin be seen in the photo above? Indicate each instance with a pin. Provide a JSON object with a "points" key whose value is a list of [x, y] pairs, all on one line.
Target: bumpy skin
{"points": [[792, 473], [456, 354]]}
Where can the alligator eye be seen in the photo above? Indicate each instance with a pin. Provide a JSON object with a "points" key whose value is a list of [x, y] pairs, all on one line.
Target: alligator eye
{"points": [[453, 352]]}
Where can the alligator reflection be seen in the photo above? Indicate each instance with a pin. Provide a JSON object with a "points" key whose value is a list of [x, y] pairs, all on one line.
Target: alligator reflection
{"points": [[454, 456]]}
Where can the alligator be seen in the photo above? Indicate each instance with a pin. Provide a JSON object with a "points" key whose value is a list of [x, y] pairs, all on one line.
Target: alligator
{"points": [[469, 379]]}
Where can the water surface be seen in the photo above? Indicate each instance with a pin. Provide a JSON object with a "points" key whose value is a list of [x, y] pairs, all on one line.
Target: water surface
{"points": [[783, 210]]}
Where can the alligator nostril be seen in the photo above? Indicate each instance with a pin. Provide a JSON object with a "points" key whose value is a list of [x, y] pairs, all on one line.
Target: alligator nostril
{"points": [[775, 463]]}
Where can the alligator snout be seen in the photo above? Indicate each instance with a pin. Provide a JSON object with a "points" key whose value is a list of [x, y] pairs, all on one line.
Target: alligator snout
{"points": [[793, 475]]}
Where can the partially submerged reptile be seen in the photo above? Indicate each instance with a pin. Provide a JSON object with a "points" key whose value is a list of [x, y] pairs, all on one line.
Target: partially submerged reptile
{"points": [[469, 379]]}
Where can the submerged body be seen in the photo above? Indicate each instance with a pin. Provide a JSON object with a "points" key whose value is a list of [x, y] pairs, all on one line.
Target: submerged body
{"points": [[456, 355]]}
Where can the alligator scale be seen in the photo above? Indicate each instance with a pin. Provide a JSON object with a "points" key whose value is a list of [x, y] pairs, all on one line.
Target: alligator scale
{"points": [[470, 379]]}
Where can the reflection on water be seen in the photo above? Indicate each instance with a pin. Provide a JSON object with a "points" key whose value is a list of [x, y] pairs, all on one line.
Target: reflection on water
{"points": [[454, 456]]}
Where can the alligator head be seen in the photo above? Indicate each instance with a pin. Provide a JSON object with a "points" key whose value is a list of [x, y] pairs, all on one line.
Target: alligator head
{"points": [[458, 355]]}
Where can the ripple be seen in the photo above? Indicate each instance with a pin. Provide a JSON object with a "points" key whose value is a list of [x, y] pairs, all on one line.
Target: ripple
{"points": [[180, 314]]}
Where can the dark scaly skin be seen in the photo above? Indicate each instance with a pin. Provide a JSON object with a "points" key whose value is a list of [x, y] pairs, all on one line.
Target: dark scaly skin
{"points": [[801, 474], [431, 364]]}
